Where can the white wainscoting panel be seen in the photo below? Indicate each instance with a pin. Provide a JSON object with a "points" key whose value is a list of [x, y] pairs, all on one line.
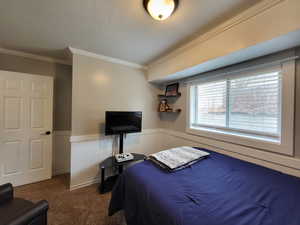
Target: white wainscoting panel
{"points": [[285, 164], [88, 151], [61, 152]]}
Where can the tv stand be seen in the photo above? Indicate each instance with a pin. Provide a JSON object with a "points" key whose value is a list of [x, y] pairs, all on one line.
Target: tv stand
{"points": [[121, 144], [108, 183]]}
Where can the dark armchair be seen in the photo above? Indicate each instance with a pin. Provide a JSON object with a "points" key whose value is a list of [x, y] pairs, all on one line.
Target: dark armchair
{"points": [[17, 211]]}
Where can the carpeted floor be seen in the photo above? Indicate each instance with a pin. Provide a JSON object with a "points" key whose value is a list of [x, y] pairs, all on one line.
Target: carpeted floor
{"points": [[80, 207]]}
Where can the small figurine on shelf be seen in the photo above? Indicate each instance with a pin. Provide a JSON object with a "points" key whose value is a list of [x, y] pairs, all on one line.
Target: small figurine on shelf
{"points": [[168, 108], [163, 106]]}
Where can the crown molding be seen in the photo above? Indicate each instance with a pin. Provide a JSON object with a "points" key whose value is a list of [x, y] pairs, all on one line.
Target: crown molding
{"points": [[105, 58], [33, 56], [231, 23]]}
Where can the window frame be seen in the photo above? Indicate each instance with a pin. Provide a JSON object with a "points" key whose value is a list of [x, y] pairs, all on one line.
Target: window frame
{"points": [[283, 144]]}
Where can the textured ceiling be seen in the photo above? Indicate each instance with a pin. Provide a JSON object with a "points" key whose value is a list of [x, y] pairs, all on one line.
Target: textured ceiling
{"points": [[115, 28]]}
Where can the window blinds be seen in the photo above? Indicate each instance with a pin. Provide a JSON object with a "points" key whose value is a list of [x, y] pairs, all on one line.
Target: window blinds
{"points": [[211, 102], [254, 103], [250, 104]]}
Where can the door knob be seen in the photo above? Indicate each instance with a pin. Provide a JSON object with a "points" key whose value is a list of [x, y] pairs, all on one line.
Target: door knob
{"points": [[46, 133]]}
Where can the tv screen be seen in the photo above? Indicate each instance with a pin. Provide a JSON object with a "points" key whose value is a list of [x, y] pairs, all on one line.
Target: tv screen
{"points": [[122, 122]]}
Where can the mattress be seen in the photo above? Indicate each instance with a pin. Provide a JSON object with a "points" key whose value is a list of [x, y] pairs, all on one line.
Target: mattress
{"points": [[219, 190]]}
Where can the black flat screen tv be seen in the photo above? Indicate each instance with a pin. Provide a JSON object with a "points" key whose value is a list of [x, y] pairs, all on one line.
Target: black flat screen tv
{"points": [[117, 122]]}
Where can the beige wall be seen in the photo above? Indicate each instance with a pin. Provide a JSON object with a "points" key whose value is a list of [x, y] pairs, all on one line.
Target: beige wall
{"points": [[99, 86], [178, 122], [62, 84]]}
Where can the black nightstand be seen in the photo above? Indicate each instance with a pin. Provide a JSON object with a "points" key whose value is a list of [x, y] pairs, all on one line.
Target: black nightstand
{"points": [[107, 184]]}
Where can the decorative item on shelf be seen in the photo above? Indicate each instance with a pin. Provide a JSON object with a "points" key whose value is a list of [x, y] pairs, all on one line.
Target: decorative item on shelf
{"points": [[172, 90], [171, 94], [163, 106]]}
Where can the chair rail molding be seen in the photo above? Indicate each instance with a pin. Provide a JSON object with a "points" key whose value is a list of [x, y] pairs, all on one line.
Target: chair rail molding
{"points": [[98, 136]]}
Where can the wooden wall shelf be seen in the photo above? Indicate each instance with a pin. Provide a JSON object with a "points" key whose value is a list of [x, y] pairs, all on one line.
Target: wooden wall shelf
{"points": [[172, 96], [169, 99], [174, 111]]}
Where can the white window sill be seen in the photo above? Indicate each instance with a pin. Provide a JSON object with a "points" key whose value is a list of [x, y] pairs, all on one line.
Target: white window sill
{"points": [[256, 142], [237, 134]]}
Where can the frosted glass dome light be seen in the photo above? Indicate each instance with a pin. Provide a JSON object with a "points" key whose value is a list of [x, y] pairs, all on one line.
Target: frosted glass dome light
{"points": [[160, 9]]}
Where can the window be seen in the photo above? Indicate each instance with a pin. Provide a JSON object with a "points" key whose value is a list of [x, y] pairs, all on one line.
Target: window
{"points": [[245, 106]]}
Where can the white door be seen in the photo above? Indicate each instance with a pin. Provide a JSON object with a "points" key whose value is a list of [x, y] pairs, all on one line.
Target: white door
{"points": [[26, 106]]}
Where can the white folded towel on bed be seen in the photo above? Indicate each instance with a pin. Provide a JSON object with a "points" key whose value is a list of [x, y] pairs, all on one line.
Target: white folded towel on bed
{"points": [[177, 158]]}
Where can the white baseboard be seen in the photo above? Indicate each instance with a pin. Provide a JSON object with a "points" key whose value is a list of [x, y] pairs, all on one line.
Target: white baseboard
{"points": [[85, 184]]}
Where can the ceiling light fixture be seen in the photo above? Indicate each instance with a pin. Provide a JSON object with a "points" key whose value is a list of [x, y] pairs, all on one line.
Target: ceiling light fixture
{"points": [[160, 9]]}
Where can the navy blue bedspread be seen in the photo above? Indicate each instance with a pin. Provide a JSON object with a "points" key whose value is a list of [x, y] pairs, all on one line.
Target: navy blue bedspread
{"points": [[219, 190]]}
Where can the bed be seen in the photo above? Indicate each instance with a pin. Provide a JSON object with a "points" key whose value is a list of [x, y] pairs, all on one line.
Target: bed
{"points": [[219, 190]]}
